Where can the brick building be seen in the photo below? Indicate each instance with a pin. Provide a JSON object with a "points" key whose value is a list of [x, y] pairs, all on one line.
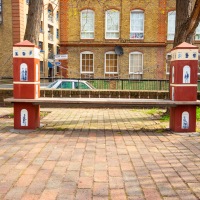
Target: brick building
{"points": [[13, 17], [93, 33]]}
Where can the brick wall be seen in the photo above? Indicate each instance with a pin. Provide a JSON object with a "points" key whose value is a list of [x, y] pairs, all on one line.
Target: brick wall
{"points": [[152, 46], [6, 41], [11, 32], [153, 62]]}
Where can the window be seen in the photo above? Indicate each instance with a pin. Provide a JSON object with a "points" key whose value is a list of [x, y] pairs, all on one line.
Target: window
{"points": [[1, 15], [57, 15], [41, 67], [112, 24], [57, 33], [137, 24], [80, 85], [168, 60], [65, 85], [57, 50], [50, 13], [87, 24], [111, 64], [171, 25], [87, 62], [135, 65], [41, 27], [50, 32], [40, 45], [197, 36]]}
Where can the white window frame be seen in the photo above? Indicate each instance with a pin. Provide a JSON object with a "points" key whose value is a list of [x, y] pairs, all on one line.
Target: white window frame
{"points": [[112, 31], [81, 67], [170, 30], [136, 32], [197, 34], [110, 52], [139, 72], [90, 32]]}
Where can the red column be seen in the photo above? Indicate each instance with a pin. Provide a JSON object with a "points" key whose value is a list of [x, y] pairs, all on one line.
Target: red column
{"points": [[183, 87], [26, 80]]}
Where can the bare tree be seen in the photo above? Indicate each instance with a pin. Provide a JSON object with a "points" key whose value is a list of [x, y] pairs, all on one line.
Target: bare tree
{"points": [[187, 20], [33, 21]]}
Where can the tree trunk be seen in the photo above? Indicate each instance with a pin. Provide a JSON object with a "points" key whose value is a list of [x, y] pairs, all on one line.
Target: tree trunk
{"points": [[33, 21], [187, 20]]}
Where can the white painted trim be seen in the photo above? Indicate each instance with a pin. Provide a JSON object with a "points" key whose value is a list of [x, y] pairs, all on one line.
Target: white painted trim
{"points": [[18, 82], [184, 85]]}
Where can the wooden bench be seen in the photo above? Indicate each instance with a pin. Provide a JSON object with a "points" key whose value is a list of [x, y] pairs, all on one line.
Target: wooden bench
{"points": [[105, 102]]}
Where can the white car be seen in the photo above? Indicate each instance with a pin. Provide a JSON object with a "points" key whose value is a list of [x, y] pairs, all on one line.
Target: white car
{"points": [[70, 84]]}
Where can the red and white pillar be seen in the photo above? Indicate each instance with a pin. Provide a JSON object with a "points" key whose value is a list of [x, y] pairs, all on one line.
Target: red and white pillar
{"points": [[183, 87], [26, 80]]}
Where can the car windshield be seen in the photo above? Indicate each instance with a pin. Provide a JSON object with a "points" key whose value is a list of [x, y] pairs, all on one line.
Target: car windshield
{"points": [[65, 85], [52, 84], [90, 85], [80, 85]]}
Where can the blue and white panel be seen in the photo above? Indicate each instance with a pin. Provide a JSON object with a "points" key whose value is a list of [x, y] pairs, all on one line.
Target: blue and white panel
{"points": [[23, 72], [186, 74], [185, 120], [24, 117], [26, 52], [184, 54]]}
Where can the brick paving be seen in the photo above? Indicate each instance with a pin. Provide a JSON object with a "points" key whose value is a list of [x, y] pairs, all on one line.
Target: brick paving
{"points": [[99, 154]]}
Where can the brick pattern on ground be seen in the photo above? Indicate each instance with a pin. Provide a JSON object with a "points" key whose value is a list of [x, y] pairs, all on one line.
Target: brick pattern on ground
{"points": [[107, 154]]}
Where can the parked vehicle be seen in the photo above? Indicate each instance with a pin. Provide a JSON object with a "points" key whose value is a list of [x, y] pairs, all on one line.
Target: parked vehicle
{"points": [[70, 84]]}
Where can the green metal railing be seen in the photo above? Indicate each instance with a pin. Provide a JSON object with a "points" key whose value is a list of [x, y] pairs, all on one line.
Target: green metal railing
{"points": [[114, 84]]}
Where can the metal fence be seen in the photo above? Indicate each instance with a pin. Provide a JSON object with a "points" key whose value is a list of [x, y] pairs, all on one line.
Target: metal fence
{"points": [[111, 84]]}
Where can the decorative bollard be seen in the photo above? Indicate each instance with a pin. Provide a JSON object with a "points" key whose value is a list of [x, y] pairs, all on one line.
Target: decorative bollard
{"points": [[26, 81], [183, 87]]}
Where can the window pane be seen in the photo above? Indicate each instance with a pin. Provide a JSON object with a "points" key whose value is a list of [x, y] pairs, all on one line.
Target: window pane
{"points": [[87, 63], [135, 65], [111, 63], [137, 25], [112, 24], [171, 25], [87, 24]]}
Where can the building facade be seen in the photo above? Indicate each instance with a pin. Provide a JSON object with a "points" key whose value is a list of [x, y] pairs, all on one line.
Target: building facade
{"points": [[12, 28], [117, 38]]}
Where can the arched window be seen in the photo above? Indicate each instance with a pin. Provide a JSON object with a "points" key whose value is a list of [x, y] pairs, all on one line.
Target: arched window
{"points": [[112, 24], [137, 24], [111, 64], [87, 24], [171, 25], [87, 62], [135, 65]]}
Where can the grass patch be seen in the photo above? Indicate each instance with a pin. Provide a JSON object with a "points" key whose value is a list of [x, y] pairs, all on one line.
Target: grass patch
{"points": [[198, 114], [165, 117], [153, 111]]}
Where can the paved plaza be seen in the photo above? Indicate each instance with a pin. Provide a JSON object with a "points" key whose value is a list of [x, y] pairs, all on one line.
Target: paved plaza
{"points": [[98, 154]]}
